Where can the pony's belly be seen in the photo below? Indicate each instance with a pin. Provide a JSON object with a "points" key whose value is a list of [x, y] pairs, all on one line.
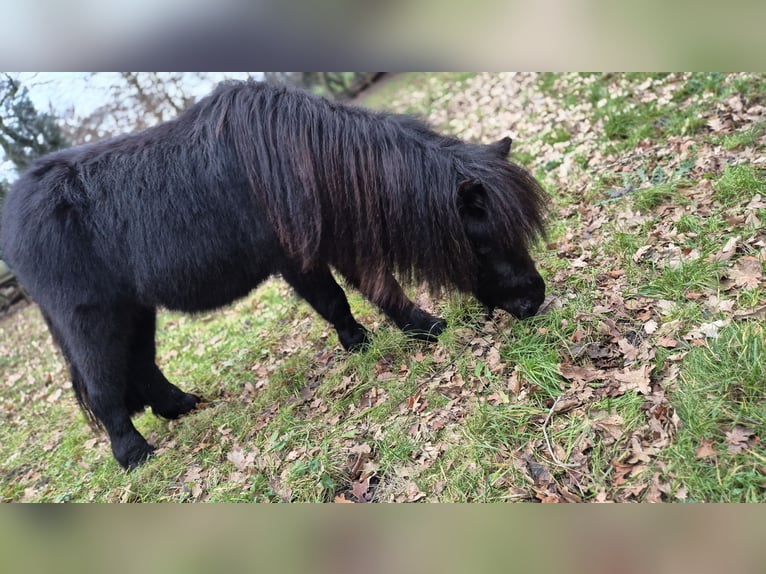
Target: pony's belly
{"points": [[206, 291]]}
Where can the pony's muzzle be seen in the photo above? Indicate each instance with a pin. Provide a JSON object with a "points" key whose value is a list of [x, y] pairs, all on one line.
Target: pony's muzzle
{"points": [[522, 309]]}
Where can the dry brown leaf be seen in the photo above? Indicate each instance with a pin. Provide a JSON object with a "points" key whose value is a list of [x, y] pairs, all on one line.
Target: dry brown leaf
{"points": [[623, 472], [239, 459], [706, 449], [580, 374], [413, 492], [362, 449], [494, 361], [565, 404], [498, 398], [667, 342], [754, 313], [727, 251], [611, 425], [654, 493], [636, 379], [737, 439], [717, 125], [361, 490], [715, 303], [416, 403], [707, 330], [514, 382], [682, 494], [747, 273], [629, 351]]}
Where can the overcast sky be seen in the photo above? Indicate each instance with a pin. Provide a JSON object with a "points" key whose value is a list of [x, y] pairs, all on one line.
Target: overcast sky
{"points": [[85, 91], [61, 91]]}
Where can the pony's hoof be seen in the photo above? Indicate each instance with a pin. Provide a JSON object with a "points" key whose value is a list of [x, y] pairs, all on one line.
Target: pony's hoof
{"points": [[354, 340], [136, 455], [186, 403], [430, 331]]}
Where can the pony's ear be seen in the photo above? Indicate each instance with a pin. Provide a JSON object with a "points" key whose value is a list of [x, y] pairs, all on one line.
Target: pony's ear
{"points": [[472, 199], [502, 147]]}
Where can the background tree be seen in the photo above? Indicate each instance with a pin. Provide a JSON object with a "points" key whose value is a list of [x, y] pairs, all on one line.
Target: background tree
{"points": [[137, 100], [338, 85], [25, 132]]}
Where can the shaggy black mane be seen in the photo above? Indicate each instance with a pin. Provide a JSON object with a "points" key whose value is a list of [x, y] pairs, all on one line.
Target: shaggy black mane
{"points": [[367, 190]]}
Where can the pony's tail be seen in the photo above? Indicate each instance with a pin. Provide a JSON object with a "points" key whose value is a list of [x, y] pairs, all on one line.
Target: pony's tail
{"points": [[80, 391]]}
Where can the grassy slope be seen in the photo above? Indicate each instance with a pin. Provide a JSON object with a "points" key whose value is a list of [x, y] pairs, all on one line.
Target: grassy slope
{"points": [[643, 381]]}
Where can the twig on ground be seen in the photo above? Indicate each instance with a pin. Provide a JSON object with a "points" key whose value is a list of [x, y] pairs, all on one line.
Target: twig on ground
{"points": [[556, 461]]}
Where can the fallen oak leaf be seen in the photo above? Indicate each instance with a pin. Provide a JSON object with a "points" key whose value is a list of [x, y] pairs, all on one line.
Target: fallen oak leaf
{"points": [[667, 342], [706, 450], [538, 472], [237, 457], [415, 403], [566, 404], [514, 382], [650, 327], [494, 361], [716, 124], [715, 304], [360, 490], [580, 374], [610, 424], [624, 472], [747, 273], [498, 398], [727, 251], [413, 492], [707, 330], [682, 494], [361, 449], [737, 439], [753, 313], [637, 379], [629, 351], [654, 494]]}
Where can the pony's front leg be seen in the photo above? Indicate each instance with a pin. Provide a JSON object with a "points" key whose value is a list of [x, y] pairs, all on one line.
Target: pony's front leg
{"points": [[389, 296], [323, 293]]}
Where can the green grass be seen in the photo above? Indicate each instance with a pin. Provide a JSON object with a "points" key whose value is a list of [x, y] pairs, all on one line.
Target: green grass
{"points": [[720, 387], [744, 138], [691, 276], [739, 184], [701, 83], [648, 199], [634, 279]]}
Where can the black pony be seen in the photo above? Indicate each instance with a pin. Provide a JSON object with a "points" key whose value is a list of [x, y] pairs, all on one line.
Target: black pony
{"points": [[256, 180]]}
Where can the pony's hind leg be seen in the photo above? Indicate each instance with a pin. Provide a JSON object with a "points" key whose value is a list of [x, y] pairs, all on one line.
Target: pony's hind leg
{"points": [[95, 340], [323, 293], [146, 383], [389, 296]]}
